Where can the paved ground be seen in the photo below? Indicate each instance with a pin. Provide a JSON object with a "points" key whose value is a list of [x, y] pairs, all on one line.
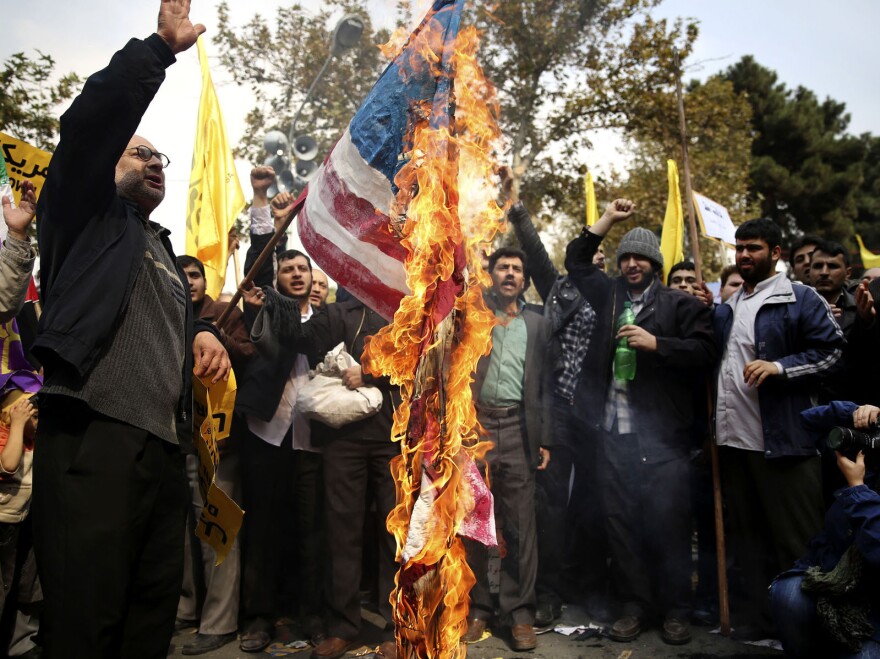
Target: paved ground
{"points": [[551, 645]]}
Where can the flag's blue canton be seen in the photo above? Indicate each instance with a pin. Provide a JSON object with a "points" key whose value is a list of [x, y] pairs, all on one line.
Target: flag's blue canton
{"points": [[379, 128]]}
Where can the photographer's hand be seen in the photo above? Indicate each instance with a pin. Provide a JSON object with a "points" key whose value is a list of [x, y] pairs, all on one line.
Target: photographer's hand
{"points": [[865, 417], [853, 472]]}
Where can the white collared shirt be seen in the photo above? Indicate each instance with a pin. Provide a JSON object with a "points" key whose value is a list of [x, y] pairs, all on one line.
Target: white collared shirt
{"points": [[274, 430]]}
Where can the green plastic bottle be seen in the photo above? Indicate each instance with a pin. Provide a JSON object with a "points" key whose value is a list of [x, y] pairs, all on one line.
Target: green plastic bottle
{"points": [[624, 356]]}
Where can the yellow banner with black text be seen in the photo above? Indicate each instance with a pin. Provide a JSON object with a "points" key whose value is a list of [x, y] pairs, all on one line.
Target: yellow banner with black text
{"points": [[221, 518], [24, 163]]}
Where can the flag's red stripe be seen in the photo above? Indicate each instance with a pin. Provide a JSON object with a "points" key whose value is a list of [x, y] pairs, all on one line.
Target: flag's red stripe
{"points": [[349, 272], [356, 215]]}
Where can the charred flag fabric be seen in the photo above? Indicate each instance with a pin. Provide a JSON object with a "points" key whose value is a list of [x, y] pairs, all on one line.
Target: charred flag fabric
{"points": [[346, 223]]}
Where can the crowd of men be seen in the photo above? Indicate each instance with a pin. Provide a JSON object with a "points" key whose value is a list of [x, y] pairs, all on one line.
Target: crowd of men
{"points": [[598, 473]]}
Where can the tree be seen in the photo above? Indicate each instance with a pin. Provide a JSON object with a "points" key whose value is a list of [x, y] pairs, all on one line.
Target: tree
{"points": [[30, 97], [806, 170], [719, 147], [564, 67], [280, 62]]}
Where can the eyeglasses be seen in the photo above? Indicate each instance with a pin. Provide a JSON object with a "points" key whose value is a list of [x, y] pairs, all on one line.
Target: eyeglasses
{"points": [[146, 154]]}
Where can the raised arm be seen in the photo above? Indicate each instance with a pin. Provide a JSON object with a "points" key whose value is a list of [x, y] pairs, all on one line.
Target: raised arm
{"points": [[580, 251], [97, 127], [17, 255], [541, 268]]}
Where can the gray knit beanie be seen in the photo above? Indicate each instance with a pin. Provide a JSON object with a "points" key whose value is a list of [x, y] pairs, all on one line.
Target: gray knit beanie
{"points": [[642, 242]]}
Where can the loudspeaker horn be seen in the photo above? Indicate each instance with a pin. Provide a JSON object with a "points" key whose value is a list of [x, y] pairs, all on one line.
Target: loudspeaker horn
{"points": [[305, 170], [305, 147], [287, 181], [277, 163], [275, 143]]}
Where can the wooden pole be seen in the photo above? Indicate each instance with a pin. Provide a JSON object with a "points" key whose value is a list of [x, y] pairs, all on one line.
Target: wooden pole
{"points": [[692, 220], [721, 549], [261, 259], [236, 265]]}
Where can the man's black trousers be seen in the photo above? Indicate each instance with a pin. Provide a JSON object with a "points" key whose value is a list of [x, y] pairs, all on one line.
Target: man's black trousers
{"points": [[109, 514]]}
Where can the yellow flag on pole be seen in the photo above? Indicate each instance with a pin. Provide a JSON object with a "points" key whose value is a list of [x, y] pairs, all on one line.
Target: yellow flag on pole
{"points": [[672, 235], [592, 210], [869, 259], [215, 198]]}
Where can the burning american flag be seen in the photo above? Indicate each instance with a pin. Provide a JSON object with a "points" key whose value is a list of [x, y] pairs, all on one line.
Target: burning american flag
{"points": [[397, 214]]}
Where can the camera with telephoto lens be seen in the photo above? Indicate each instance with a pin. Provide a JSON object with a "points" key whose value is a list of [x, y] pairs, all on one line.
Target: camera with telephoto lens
{"points": [[848, 440]]}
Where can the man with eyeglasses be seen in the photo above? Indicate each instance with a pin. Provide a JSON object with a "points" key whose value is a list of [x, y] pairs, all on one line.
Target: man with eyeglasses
{"points": [[119, 347]]}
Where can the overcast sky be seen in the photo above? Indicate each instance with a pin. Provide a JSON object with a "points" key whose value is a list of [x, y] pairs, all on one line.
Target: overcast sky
{"points": [[831, 49]]}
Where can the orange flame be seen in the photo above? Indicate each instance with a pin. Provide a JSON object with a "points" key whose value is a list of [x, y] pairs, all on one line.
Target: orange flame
{"points": [[447, 208]]}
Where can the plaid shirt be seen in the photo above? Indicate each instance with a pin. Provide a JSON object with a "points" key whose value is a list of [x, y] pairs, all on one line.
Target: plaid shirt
{"points": [[574, 340]]}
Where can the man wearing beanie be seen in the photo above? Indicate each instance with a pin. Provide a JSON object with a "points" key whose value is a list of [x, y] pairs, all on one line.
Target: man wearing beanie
{"points": [[644, 424]]}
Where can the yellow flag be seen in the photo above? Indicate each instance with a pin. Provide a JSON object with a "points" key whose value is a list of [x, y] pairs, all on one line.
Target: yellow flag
{"points": [[215, 198], [869, 259], [672, 236], [592, 210]]}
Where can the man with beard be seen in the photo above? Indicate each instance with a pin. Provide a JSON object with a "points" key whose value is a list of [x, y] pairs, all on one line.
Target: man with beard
{"points": [[778, 339], [355, 459], [116, 340], [281, 469], [644, 425]]}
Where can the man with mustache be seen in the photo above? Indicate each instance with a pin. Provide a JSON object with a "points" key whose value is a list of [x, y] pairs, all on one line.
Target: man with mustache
{"points": [[320, 289], [118, 343], [643, 425], [778, 338], [512, 391]]}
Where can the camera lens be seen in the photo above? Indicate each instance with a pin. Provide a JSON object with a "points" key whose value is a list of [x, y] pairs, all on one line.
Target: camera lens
{"points": [[837, 438]]}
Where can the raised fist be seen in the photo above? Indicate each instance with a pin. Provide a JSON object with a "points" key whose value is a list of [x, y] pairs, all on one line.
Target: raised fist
{"points": [[619, 210], [261, 178]]}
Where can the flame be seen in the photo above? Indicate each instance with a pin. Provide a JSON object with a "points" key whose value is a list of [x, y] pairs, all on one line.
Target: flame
{"points": [[446, 210]]}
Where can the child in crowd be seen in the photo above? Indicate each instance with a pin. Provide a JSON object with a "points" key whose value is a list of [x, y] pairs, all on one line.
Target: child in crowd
{"points": [[18, 421]]}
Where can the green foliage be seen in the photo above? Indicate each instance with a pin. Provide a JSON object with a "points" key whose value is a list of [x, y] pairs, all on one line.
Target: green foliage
{"points": [[719, 145], [564, 67], [806, 170], [278, 59], [29, 98]]}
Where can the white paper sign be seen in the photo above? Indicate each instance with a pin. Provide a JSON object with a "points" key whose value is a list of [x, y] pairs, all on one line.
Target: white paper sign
{"points": [[714, 219]]}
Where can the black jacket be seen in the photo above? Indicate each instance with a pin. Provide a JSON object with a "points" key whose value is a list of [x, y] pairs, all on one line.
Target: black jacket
{"points": [[348, 322], [661, 397], [351, 322], [91, 241]]}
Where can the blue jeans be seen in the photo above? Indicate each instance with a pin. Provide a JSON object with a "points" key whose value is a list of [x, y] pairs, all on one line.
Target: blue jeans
{"points": [[799, 627]]}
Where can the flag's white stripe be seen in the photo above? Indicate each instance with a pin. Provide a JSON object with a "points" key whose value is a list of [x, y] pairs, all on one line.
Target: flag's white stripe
{"points": [[362, 180], [388, 269]]}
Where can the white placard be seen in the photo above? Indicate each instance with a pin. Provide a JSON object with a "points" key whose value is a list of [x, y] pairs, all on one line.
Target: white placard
{"points": [[714, 219]]}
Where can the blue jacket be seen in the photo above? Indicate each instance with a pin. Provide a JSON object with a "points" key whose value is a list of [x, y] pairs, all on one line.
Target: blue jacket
{"points": [[794, 327]]}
